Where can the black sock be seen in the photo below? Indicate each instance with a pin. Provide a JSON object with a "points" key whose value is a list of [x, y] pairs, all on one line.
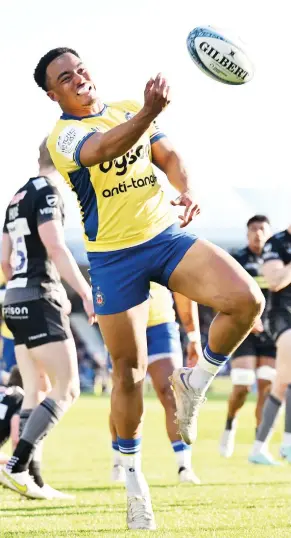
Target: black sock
{"points": [[21, 457], [229, 422], [34, 471]]}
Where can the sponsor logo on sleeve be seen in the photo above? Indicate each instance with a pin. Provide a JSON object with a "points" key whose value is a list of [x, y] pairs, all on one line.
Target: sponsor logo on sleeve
{"points": [[52, 200], [69, 139]]}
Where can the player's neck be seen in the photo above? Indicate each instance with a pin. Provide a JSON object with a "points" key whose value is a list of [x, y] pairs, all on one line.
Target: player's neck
{"points": [[258, 251], [46, 171], [81, 112], [289, 229]]}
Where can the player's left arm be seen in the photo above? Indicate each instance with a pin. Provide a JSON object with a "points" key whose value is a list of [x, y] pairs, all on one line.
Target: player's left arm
{"points": [[6, 252], [275, 271], [189, 317], [277, 274], [167, 159]]}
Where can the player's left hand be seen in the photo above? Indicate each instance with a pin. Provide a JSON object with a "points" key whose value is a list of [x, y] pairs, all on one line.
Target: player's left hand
{"points": [[194, 352], [192, 209]]}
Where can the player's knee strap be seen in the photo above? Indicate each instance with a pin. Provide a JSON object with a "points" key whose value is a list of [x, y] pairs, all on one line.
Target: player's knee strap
{"points": [[242, 376], [267, 373]]}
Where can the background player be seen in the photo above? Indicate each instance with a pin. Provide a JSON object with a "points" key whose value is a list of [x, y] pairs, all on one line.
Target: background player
{"points": [[33, 255], [277, 271], [8, 354], [164, 355], [254, 359], [105, 153], [11, 397]]}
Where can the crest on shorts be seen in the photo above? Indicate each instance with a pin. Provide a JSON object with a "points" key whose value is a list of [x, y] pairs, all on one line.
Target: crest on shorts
{"points": [[100, 297]]}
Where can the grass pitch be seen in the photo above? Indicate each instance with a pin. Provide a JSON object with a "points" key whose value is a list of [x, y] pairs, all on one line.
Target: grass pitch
{"points": [[235, 499]]}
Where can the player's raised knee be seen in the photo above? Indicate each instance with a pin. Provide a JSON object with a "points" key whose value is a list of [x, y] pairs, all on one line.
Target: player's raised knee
{"points": [[251, 302]]}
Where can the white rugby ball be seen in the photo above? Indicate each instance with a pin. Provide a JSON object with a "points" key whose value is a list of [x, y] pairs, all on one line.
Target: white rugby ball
{"points": [[219, 57]]}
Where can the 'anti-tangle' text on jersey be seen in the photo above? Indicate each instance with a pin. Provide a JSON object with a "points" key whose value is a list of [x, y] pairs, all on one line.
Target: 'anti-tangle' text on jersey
{"points": [[121, 202]]}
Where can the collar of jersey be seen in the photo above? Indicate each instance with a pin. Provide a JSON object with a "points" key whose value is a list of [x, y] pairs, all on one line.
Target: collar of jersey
{"points": [[71, 117]]}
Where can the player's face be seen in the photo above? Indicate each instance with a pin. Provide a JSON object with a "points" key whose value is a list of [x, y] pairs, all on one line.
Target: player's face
{"points": [[258, 234], [69, 83]]}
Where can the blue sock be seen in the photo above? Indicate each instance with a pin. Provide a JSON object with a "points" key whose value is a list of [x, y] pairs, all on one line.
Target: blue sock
{"points": [[183, 454], [115, 446], [212, 361], [129, 446], [131, 461]]}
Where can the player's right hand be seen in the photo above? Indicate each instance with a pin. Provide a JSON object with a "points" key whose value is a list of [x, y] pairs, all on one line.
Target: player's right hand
{"points": [[258, 326], [89, 309], [156, 95]]}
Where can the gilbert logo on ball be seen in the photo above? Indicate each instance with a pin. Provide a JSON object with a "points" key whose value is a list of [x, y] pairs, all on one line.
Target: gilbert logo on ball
{"points": [[219, 57]]}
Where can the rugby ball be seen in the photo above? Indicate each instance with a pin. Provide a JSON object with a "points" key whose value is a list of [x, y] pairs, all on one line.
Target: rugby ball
{"points": [[219, 57]]}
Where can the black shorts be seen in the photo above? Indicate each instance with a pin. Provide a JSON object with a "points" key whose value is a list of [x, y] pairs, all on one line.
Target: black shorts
{"points": [[4, 432], [39, 322], [279, 321], [256, 346]]}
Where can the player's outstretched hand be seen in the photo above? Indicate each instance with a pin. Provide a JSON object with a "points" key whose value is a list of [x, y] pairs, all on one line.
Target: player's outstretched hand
{"points": [[186, 199], [156, 95], [89, 309]]}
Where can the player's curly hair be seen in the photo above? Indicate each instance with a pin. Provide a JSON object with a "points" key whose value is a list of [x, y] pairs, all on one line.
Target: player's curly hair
{"points": [[258, 218], [40, 70]]}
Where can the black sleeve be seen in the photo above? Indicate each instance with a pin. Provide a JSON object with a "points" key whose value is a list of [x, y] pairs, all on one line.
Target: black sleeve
{"points": [[272, 250], [237, 257], [49, 205], [5, 229]]}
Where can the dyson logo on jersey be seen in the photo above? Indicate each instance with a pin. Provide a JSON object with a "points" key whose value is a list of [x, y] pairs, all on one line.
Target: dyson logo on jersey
{"points": [[223, 61], [12, 311], [135, 183], [121, 164]]}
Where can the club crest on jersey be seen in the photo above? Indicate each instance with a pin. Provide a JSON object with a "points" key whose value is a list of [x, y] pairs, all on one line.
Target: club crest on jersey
{"points": [[129, 115], [52, 200], [100, 297]]}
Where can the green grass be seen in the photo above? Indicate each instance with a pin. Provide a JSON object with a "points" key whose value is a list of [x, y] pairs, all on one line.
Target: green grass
{"points": [[234, 500]]}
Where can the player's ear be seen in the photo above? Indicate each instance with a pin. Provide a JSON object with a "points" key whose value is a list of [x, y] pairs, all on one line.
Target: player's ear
{"points": [[53, 96]]}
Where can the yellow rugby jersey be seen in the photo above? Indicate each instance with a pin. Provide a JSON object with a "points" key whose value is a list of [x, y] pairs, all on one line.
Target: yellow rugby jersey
{"points": [[161, 305], [121, 201]]}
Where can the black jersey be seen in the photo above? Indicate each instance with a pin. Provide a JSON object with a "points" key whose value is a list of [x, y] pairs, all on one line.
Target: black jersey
{"points": [[253, 264], [10, 403], [278, 247], [34, 274]]}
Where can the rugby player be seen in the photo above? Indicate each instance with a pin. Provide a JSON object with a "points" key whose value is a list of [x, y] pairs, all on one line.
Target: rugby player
{"points": [[8, 354], [106, 152], [164, 355], [11, 397], [277, 271], [34, 256], [253, 360]]}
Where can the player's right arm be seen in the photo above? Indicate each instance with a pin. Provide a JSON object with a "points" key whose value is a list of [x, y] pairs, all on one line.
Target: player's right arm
{"points": [[51, 232], [276, 273], [98, 147], [6, 252]]}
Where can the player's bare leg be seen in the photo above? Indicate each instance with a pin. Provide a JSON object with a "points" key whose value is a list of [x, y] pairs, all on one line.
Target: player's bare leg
{"points": [[125, 337], [266, 374], [242, 377], [59, 361], [210, 276], [160, 371], [260, 453]]}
